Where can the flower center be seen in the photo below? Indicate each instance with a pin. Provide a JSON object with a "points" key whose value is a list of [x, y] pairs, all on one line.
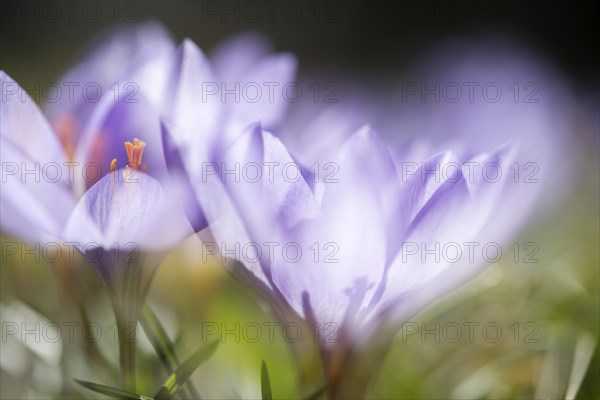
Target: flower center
{"points": [[135, 152]]}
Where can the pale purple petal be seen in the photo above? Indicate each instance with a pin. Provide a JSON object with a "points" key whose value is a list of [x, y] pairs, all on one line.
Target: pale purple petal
{"points": [[25, 126], [178, 172], [268, 174], [237, 54], [345, 247], [123, 60], [194, 115], [113, 124], [33, 206], [460, 217], [304, 129], [246, 209], [119, 211], [266, 91], [424, 179]]}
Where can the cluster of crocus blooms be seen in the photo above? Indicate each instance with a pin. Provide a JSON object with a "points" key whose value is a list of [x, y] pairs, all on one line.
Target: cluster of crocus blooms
{"points": [[357, 278], [111, 193]]}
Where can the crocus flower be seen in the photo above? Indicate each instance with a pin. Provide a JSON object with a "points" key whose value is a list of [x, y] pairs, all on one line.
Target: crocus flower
{"points": [[89, 135], [208, 105], [166, 81], [126, 215], [117, 63], [513, 93], [121, 224], [142, 76], [465, 94], [199, 119], [107, 154], [103, 197], [341, 254]]}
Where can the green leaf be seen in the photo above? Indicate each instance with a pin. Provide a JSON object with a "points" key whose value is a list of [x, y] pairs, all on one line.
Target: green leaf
{"points": [[181, 374], [158, 337], [164, 347], [265, 383], [111, 391]]}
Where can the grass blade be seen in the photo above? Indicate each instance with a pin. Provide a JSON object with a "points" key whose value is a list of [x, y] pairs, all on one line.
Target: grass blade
{"points": [[164, 348], [265, 383], [111, 391], [182, 374]]}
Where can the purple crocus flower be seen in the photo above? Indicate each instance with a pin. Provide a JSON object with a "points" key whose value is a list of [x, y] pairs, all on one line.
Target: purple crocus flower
{"points": [[118, 63], [141, 75], [121, 224], [490, 90], [127, 213], [347, 254], [200, 119], [30, 144], [89, 135], [205, 100]]}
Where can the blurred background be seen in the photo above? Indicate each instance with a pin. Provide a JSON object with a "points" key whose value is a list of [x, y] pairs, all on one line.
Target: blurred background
{"points": [[528, 330]]}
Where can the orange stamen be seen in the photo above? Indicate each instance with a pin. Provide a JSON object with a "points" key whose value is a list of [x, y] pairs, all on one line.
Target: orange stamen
{"points": [[135, 152], [129, 150], [138, 151]]}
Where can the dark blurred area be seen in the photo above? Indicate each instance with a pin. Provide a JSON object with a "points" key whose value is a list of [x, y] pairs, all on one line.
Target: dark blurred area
{"points": [[365, 37]]}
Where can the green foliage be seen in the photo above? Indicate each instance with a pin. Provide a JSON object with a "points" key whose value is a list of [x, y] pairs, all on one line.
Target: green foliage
{"points": [[183, 372], [265, 383]]}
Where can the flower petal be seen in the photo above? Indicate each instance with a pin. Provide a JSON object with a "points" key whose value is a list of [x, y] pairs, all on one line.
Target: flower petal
{"points": [[430, 176], [265, 91], [117, 212], [113, 124], [458, 217], [365, 162], [306, 124], [178, 172], [25, 126], [129, 56], [237, 54], [193, 113], [345, 246], [33, 206], [268, 173]]}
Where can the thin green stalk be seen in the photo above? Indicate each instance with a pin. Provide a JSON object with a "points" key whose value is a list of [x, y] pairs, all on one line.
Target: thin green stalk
{"points": [[164, 348], [127, 312]]}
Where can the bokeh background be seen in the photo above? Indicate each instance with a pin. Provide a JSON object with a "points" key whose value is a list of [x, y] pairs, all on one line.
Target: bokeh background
{"points": [[547, 311]]}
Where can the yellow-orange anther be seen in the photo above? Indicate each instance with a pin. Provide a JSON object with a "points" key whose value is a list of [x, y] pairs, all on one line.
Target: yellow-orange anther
{"points": [[135, 152]]}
